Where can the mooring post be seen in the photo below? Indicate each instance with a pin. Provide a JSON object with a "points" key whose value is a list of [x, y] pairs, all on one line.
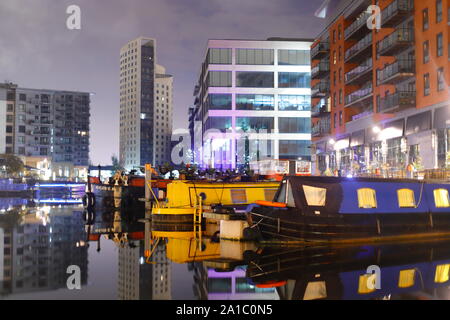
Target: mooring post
{"points": [[148, 185]]}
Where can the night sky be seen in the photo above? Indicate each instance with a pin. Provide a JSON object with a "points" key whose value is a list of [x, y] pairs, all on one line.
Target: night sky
{"points": [[38, 51]]}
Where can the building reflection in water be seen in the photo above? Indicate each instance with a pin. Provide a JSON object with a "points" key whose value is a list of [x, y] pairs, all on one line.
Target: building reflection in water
{"points": [[37, 246]]}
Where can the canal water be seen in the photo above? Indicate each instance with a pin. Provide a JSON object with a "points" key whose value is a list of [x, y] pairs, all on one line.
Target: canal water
{"points": [[48, 248]]}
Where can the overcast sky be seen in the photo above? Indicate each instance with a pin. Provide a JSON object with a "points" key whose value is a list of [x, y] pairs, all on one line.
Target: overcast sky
{"points": [[38, 51]]}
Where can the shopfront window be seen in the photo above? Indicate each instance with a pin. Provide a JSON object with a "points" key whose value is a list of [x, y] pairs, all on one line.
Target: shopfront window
{"points": [[395, 157]]}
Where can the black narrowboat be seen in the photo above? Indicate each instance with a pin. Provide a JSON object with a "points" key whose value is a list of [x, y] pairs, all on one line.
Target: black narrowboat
{"points": [[324, 209]]}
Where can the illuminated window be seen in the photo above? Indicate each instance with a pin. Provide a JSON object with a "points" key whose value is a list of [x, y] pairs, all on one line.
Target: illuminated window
{"points": [[238, 196], [406, 198], [367, 198], [442, 273], [441, 198], [315, 196], [406, 278]]}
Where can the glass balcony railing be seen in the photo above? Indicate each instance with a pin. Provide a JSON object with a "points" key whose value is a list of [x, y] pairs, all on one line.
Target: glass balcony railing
{"points": [[358, 27], [396, 42], [320, 89], [320, 69], [398, 100], [397, 71], [322, 128], [359, 95], [396, 12], [320, 50], [359, 48], [360, 73], [320, 108]]}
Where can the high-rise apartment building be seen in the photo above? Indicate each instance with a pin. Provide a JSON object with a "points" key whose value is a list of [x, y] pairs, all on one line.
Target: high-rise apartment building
{"points": [[381, 95], [48, 129], [254, 86], [145, 106]]}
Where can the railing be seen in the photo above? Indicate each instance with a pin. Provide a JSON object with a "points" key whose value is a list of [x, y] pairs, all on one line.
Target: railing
{"points": [[359, 46], [400, 36], [320, 108], [321, 87], [400, 66], [323, 66], [366, 91], [358, 23], [395, 8], [398, 99], [323, 127], [356, 72], [323, 46]]}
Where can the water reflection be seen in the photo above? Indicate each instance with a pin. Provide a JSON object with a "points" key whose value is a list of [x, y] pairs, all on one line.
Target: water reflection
{"points": [[122, 255]]}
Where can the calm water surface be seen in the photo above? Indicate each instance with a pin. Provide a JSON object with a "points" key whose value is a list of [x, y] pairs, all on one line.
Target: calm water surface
{"points": [[40, 240]]}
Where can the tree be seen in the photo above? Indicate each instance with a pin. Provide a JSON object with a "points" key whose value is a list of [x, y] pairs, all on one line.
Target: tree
{"points": [[12, 164]]}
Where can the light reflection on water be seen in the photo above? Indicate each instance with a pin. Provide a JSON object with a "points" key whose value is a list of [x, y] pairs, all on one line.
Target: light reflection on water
{"points": [[39, 242]]}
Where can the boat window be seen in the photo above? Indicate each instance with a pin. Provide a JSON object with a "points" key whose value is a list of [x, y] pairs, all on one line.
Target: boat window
{"points": [[315, 196], [367, 198], [269, 194], [238, 196], [290, 197], [442, 273], [406, 278], [406, 198], [282, 195], [315, 290], [364, 281], [441, 198]]}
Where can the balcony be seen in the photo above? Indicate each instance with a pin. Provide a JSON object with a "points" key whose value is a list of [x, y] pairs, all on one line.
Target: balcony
{"points": [[397, 72], [398, 101], [396, 12], [322, 128], [360, 74], [321, 89], [358, 28], [320, 69], [396, 42], [360, 51], [320, 50], [361, 97], [320, 109]]}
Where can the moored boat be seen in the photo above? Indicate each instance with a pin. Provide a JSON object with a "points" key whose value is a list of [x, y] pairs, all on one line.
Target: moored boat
{"points": [[327, 209]]}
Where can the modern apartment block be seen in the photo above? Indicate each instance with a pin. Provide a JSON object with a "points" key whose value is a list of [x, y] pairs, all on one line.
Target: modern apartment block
{"points": [[254, 86], [146, 106], [381, 96], [48, 129]]}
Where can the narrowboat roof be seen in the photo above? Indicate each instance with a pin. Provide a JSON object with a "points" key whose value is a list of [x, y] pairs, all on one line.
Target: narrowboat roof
{"points": [[324, 179]]}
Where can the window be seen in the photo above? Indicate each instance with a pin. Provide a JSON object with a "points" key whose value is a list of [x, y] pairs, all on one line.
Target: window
{"points": [[254, 79], [440, 79], [294, 57], [335, 120], [334, 57], [442, 273], [406, 278], [219, 102], [218, 123], [340, 96], [10, 108], [425, 19], [438, 11], [294, 125], [441, 198], [440, 45], [219, 285], [341, 118], [294, 103], [254, 56], [255, 102], [294, 80], [406, 198], [219, 79], [426, 51], [367, 198], [291, 149], [22, 97], [315, 290], [219, 56], [364, 280], [238, 196], [255, 123], [426, 84], [315, 196]]}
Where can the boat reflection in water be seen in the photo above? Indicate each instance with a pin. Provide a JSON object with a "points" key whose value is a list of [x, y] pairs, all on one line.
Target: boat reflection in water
{"points": [[407, 271]]}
